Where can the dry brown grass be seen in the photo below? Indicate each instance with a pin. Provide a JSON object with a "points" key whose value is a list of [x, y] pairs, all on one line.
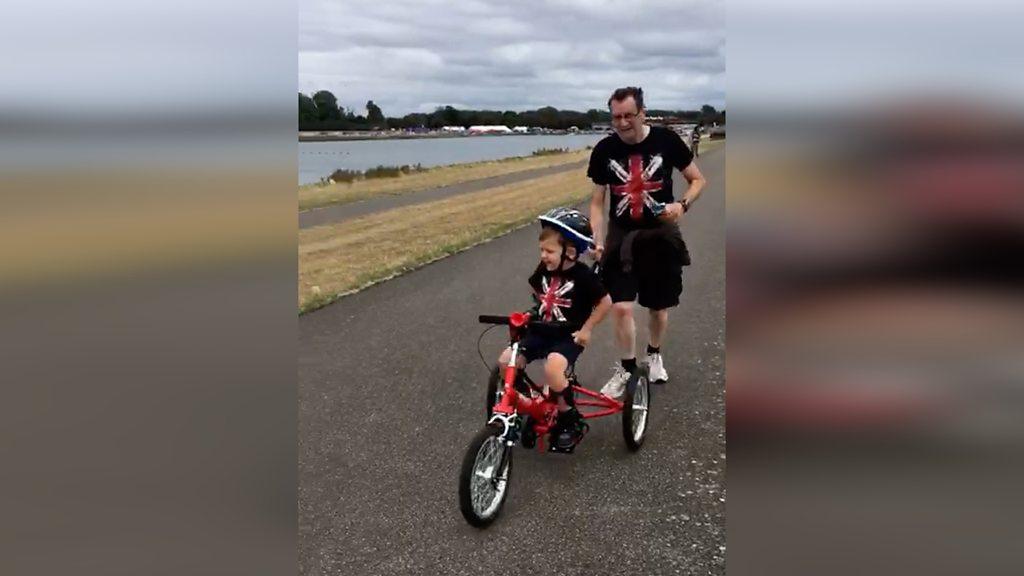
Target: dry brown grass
{"points": [[314, 195], [709, 145], [67, 227], [335, 260]]}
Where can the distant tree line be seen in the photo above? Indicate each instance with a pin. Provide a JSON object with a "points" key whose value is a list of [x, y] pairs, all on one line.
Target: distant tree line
{"points": [[322, 112]]}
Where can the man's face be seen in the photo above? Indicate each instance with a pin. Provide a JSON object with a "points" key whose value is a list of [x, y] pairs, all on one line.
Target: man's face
{"points": [[627, 120]]}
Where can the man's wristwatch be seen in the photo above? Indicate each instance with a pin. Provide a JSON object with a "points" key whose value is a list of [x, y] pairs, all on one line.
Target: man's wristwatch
{"points": [[685, 204]]}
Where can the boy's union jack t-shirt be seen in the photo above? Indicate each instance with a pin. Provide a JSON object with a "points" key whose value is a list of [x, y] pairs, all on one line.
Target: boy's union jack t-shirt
{"points": [[638, 176], [568, 297]]}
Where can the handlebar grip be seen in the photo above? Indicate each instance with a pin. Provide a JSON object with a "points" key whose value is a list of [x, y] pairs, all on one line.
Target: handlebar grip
{"points": [[489, 319]]}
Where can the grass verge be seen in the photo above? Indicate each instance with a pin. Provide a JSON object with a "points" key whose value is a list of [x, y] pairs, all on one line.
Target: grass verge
{"points": [[709, 145], [343, 258], [317, 195]]}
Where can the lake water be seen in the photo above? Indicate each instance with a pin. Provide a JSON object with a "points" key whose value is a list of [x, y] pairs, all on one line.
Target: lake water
{"points": [[320, 159]]}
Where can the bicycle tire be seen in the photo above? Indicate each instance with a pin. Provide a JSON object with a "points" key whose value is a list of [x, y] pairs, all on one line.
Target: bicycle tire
{"points": [[636, 403], [484, 482]]}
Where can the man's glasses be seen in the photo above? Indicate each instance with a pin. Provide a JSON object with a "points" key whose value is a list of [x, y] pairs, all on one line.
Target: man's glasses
{"points": [[628, 117]]}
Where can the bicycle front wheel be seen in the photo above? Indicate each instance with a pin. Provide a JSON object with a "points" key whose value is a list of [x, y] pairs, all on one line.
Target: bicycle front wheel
{"points": [[483, 480]]}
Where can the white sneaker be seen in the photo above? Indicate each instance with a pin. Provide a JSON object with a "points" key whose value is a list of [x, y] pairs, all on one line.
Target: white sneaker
{"points": [[617, 384], [656, 368]]}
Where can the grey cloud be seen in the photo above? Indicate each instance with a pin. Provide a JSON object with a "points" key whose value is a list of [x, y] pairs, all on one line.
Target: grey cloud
{"points": [[414, 55]]}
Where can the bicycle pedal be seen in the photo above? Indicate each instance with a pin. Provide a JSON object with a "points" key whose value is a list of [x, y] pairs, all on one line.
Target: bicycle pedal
{"points": [[555, 448], [553, 445], [528, 439]]}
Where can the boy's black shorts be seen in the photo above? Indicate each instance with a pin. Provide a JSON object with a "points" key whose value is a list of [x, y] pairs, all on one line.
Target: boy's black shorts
{"points": [[656, 276], [537, 346]]}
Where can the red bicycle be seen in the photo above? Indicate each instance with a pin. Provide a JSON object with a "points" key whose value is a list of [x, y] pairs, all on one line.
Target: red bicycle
{"points": [[521, 411]]}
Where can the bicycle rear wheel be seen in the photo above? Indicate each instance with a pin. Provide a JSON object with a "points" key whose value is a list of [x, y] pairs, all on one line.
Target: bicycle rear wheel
{"points": [[636, 404], [483, 480]]}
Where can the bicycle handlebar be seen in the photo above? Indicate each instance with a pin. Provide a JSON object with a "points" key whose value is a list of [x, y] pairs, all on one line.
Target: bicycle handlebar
{"points": [[489, 319], [504, 321]]}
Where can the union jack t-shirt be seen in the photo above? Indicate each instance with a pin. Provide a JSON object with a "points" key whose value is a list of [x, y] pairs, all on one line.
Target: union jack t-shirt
{"points": [[568, 297], [638, 176]]}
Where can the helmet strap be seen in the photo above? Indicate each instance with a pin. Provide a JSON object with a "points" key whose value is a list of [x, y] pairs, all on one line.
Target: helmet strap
{"points": [[565, 256]]}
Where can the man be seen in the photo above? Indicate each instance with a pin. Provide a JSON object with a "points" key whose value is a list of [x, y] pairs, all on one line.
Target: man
{"points": [[695, 141], [643, 252]]}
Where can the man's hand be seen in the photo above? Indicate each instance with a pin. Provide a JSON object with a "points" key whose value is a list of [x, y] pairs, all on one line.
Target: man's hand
{"points": [[672, 212], [598, 251], [582, 337]]}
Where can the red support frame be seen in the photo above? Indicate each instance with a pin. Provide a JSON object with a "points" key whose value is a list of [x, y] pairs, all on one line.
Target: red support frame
{"points": [[542, 410], [610, 405]]}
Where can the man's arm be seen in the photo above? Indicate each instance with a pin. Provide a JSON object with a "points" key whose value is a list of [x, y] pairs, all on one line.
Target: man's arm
{"points": [[696, 184], [602, 308], [597, 217]]}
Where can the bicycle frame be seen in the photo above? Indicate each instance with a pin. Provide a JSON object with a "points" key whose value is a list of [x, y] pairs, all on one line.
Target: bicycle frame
{"points": [[542, 410]]}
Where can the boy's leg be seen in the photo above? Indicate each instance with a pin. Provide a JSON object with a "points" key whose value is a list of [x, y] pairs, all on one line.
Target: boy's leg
{"points": [[554, 374], [507, 354], [567, 430], [520, 362]]}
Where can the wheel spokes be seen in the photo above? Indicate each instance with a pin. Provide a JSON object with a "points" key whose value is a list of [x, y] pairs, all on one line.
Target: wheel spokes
{"points": [[489, 483], [640, 407]]}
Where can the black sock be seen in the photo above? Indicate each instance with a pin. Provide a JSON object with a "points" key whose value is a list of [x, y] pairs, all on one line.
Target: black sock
{"points": [[566, 395], [653, 350], [629, 365]]}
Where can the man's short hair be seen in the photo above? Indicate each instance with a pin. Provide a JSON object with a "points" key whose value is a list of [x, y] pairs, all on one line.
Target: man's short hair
{"points": [[622, 93]]}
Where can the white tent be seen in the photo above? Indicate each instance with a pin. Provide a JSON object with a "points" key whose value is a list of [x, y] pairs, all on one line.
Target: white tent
{"points": [[490, 129]]}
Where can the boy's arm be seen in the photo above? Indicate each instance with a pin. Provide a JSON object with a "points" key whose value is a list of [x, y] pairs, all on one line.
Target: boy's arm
{"points": [[582, 336]]}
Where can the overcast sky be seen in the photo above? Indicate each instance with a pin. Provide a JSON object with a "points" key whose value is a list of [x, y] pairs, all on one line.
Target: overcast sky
{"points": [[415, 55]]}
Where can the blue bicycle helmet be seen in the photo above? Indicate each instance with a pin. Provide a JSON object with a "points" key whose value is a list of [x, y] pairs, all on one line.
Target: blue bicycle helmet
{"points": [[574, 227]]}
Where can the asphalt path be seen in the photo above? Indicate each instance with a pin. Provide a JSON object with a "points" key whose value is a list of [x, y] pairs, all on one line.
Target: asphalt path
{"points": [[391, 391], [340, 212]]}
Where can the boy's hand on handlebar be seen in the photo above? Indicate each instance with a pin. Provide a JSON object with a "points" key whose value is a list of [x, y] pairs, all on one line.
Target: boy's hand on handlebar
{"points": [[581, 337]]}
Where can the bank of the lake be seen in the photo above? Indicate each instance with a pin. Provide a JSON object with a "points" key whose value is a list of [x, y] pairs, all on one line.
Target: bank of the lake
{"points": [[319, 159]]}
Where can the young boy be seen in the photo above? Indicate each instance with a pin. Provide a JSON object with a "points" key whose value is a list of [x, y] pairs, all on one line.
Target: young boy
{"points": [[568, 293]]}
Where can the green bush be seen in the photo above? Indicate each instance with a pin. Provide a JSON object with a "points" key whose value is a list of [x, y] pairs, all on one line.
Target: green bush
{"points": [[344, 175], [341, 175], [550, 151]]}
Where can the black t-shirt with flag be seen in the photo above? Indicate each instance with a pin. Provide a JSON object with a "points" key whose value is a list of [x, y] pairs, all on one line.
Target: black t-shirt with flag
{"points": [[567, 297], [639, 176]]}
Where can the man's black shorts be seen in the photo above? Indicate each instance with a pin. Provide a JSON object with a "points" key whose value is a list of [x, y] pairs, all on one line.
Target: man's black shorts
{"points": [[655, 275]]}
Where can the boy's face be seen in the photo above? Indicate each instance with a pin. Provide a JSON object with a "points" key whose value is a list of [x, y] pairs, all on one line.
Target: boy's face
{"points": [[550, 253]]}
